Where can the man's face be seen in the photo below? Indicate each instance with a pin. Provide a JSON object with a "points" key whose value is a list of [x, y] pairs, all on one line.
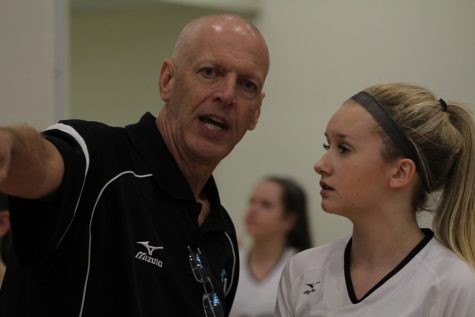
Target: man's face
{"points": [[214, 91]]}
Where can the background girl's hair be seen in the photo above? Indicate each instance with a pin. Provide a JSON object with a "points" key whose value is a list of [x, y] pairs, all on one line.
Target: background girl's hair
{"points": [[444, 140], [295, 202]]}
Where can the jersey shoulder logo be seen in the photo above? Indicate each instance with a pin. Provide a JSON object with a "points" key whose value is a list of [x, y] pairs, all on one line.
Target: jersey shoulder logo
{"points": [[147, 257], [310, 288]]}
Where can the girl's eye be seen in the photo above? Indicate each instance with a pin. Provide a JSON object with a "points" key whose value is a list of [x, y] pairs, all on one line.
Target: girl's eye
{"points": [[343, 149], [266, 204]]}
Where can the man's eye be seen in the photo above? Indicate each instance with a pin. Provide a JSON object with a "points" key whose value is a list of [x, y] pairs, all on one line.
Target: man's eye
{"points": [[248, 88], [249, 85], [208, 72], [326, 146]]}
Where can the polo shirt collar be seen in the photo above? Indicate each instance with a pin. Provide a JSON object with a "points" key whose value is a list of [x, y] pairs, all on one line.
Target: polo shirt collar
{"points": [[147, 140]]}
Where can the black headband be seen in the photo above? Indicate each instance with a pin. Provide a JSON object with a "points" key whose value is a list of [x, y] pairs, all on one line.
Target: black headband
{"points": [[443, 105], [385, 121]]}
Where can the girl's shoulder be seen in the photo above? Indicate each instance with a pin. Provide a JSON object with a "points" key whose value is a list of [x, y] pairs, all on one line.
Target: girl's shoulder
{"points": [[318, 257], [446, 266]]}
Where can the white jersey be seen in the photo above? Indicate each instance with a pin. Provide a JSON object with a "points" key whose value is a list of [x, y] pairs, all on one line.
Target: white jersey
{"points": [[431, 282], [257, 298]]}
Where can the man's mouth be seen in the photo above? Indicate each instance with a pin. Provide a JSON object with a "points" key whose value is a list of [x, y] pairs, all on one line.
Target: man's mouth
{"points": [[213, 123]]}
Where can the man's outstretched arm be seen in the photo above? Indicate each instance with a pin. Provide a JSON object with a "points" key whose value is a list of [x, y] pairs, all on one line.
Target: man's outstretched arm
{"points": [[30, 166]]}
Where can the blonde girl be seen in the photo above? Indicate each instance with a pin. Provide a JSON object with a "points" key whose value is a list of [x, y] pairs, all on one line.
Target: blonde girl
{"points": [[389, 149]]}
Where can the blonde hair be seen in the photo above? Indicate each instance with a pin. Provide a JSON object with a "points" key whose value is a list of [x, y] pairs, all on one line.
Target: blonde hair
{"points": [[444, 141]]}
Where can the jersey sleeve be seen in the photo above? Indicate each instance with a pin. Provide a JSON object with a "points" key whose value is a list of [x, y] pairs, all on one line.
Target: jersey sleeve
{"points": [[458, 300], [283, 307], [39, 225]]}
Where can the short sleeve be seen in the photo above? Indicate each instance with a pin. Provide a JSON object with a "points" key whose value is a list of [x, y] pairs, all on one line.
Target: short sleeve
{"points": [[458, 300], [38, 225], [283, 306]]}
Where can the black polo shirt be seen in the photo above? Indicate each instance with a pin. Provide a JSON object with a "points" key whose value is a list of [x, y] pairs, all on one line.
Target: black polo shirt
{"points": [[115, 239]]}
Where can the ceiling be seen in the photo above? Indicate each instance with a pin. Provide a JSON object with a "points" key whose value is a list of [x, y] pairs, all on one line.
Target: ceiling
{"points": [[238, 6]]}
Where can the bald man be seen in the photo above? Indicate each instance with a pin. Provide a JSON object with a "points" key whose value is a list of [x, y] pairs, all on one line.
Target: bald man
{"points": [[128, 221]]}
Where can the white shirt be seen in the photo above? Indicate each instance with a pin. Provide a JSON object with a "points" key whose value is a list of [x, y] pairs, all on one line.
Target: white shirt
{"points": [[431, 282], [257, 298]]}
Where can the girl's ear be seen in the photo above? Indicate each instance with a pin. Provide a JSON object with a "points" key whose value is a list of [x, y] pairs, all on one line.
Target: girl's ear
{"points": [[290, 220], [403, 173]]}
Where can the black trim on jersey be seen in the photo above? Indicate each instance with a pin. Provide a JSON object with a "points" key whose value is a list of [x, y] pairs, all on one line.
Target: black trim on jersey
{"points": [[347, 262]]}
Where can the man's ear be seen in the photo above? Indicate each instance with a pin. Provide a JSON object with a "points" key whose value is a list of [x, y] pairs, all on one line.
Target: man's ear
{"points": [[4, 223], [403, 173], [255, 118], [167, 79], [257, 114]]}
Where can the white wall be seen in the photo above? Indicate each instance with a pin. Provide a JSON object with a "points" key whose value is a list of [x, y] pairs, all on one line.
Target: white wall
{"points": [[33, 62], [322, 51]]}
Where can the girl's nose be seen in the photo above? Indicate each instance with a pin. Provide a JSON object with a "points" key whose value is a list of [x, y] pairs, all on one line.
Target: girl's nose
{"points": [[321, 167]]}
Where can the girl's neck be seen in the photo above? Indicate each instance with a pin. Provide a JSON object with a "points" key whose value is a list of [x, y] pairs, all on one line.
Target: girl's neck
{"points": [[264, 255], [383, 246], [375, 253], [267, 249]]}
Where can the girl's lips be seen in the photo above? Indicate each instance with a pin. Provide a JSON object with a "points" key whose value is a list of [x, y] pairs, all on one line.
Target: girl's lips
{"points": [[325, 189], [324, 186]]}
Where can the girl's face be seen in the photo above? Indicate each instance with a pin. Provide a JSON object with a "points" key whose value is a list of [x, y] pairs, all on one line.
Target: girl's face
{"points": [[354, 175], [265, 216]]}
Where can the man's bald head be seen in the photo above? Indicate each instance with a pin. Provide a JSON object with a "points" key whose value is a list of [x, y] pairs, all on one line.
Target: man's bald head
{"points": [[228, 24]]}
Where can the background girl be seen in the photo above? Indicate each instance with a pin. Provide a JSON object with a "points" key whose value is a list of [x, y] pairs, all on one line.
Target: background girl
{"points": [[276, 219]]}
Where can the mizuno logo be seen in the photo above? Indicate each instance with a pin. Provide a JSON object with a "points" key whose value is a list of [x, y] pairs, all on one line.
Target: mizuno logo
{"points": [[150, 249], [311, 287], [147, 257]]}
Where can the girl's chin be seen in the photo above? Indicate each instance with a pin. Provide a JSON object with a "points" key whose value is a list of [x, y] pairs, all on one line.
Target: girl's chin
{"points": [[250, 231], [329, 210]]}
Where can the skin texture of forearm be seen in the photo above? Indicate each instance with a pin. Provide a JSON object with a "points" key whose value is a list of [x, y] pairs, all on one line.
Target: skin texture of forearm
{"points": [[30, 166]]}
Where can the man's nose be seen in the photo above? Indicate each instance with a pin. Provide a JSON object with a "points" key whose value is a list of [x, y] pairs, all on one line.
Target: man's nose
{"points": [[226, 92]]}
